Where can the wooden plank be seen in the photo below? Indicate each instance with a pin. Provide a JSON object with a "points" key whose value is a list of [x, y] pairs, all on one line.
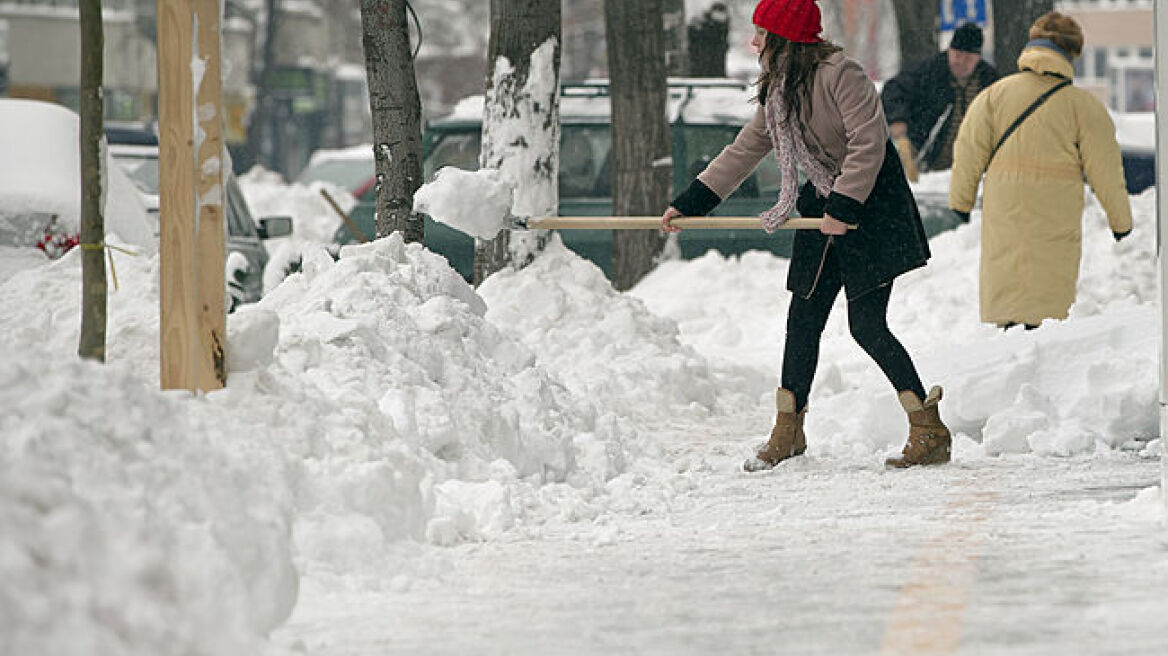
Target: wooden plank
{"points": [[654, 223], [177, 292], [210, 228]]}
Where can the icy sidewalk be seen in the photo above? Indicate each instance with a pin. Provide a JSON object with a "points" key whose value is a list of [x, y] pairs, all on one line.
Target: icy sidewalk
{"points": [[1012, 555]]}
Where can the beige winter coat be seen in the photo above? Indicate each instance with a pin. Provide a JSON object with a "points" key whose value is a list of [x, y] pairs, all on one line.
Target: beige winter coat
{"points": [[1032, 199], [844, 129]]}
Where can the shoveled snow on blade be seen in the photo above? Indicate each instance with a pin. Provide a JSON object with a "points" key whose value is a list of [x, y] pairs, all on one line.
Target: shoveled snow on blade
{"points": [[477, 203]]}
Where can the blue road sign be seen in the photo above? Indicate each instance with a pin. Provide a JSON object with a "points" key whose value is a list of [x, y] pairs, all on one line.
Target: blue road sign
{"points": [[956, 12]]}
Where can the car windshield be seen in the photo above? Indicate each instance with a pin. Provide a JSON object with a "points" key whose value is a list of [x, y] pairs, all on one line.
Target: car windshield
{"points": [[143, 171], [349, 174], [457, 149]]}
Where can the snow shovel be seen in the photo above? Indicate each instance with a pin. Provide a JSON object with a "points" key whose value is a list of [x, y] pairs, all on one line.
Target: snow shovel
{"points": [[478, 203], [654, 223]]}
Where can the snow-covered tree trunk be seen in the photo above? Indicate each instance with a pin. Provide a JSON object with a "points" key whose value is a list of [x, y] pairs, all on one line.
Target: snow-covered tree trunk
{"points": [[917, 20], [93, 280], [640, 131], [708, 41], [1012, 20], [521, 122], [397, 116]]}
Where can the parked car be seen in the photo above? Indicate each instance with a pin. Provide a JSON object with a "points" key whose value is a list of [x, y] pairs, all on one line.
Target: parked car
{"points": [[245, 237], [705, 115], [1136, 133], [40, 183]]}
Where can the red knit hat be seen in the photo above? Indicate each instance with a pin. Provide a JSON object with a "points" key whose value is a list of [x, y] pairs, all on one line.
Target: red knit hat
{"points": [[794, 20]]}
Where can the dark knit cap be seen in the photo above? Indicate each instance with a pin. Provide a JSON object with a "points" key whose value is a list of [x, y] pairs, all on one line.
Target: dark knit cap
{"points": [[967, 38]]}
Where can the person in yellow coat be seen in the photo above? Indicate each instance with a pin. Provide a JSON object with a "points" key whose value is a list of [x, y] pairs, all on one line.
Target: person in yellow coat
{"points": [[1032, 200]]}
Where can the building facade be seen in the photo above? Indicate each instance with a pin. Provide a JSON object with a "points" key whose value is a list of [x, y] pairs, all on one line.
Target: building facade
{"points": [[1118, 62]]}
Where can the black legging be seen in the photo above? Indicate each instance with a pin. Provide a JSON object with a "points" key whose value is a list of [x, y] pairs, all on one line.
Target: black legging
{"points": [[867, 319]]}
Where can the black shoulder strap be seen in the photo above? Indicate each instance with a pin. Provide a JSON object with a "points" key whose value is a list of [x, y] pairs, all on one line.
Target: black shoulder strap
{"points": [[1029, 110]]}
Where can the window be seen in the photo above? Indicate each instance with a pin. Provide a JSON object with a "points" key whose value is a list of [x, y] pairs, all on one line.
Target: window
{"points": [[1100, 56], [585, 161], [458, 149]]}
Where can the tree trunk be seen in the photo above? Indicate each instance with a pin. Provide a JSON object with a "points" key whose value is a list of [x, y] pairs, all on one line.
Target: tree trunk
{"points": [[521, 122], [1012, 20], [397, 116], [93, 281], [640, 131], [676, 37], [709, 40], [917, 22]]}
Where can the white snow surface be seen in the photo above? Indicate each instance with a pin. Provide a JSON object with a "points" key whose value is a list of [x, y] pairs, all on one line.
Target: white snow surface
{"points": [[381, 412], [477, 203]]}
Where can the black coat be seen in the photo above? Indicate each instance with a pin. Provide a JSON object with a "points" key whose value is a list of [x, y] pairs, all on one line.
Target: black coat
{"points": [[919, 94], [888, 241]]}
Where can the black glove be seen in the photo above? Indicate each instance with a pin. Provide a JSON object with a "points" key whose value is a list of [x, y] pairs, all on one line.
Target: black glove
{"points": [[1120, 235], [962, 216]]}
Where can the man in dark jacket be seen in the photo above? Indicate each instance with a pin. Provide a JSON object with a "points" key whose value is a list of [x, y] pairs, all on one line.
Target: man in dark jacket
{"points": [[926, 101]]}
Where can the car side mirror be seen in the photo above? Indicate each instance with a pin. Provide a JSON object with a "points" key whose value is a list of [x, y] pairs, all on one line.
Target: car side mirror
{"points": [[275, 226]]}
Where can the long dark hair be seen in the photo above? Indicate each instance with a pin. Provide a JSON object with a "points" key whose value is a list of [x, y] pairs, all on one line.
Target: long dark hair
{"points": [[793, 64]]}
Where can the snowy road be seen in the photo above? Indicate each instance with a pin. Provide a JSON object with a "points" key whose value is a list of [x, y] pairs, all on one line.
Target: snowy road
{"points": [[1016, 555]]}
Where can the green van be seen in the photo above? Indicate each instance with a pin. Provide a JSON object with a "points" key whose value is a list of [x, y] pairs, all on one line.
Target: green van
{"points": [[704, 114]]}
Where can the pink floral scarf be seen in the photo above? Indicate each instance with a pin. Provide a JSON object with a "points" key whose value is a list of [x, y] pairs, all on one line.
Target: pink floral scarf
{"points": [[790, 148]]}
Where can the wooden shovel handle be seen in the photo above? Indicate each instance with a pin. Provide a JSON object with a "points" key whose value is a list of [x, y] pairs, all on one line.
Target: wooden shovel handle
{"points": [[654, 223]]}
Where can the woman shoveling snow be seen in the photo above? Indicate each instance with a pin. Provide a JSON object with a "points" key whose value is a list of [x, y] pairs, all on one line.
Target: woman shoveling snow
{"points": [[871, 231]]}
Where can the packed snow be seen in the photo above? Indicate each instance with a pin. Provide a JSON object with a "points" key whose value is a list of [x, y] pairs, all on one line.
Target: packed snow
{"points": [[380, 412], [477, 203]]}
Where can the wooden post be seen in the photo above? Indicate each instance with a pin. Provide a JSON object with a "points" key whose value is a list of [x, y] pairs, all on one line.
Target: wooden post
{"points": [[1161, 50], [193, 314]]}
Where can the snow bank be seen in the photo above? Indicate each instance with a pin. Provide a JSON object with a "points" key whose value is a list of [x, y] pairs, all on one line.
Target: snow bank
{"points": [[314, 222], [607, 346], [133, 522]]}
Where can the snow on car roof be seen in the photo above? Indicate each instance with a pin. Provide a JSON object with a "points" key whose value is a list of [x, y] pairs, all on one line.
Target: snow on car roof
{"points": [[40, 171], [715, 101]]}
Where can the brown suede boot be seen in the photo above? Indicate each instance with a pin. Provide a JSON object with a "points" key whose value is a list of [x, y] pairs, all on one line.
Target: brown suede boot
{"points": [[929, 441], [787, 437]]}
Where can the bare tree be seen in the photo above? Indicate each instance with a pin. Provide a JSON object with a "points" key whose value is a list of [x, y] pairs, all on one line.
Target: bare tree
{"points": [[917, 23], [521, 122], [640, 131], [397, 115], [1012, 20], [709, 40], [93, 281]]}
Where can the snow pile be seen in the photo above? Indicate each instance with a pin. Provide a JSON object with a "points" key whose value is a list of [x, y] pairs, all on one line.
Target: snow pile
{"points": [[314, 222], [133, 521], [477, 203], [607, 346]]}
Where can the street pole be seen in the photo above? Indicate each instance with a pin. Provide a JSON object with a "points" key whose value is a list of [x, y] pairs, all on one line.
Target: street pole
{"points": [[1161, 15]]}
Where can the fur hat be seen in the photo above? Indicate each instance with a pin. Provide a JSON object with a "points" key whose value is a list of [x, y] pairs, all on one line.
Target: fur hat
{"points": [[794, 20], [967, 38], [1061, 29]]}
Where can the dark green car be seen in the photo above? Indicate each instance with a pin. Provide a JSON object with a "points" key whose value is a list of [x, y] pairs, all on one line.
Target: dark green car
{"points": [[705, 115]]}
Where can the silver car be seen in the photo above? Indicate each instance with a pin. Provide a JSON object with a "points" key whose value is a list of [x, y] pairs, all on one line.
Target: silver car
{"points": [[246, 255]]}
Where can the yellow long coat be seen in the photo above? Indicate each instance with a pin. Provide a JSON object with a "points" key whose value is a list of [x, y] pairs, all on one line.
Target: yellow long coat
{"points": [[1032, 200]]}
